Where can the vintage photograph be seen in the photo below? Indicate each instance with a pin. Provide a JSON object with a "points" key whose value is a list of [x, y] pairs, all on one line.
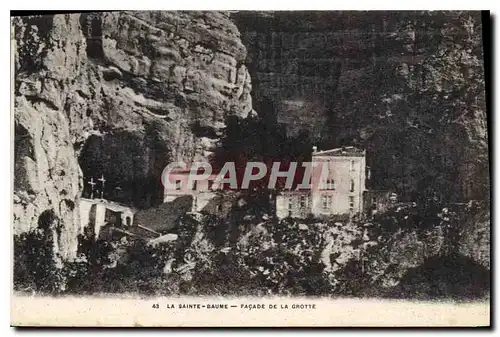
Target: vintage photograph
{"points": [[300, 155]]}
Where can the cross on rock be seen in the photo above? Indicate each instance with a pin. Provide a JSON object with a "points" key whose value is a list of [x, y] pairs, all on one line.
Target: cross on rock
{"points": [[102, 180], [92, 184]]}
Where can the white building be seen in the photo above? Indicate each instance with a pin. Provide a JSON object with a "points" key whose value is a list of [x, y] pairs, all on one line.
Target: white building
{"points": [[99, 212], [337, 186], [200, 189], [340, 191]]}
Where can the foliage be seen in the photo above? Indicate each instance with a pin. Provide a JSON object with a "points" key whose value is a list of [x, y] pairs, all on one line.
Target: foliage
{"points": [[35, 266], [269, 257]]}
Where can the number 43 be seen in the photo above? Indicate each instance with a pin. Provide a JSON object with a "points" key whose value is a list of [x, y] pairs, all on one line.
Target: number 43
{"points": [[156, 306]]}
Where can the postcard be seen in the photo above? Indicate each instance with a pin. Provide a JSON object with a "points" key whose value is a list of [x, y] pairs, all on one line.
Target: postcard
{"points": [[250, 168]]}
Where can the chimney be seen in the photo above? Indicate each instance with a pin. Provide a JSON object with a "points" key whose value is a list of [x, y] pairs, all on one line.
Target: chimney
{"points": [[315, 148]]}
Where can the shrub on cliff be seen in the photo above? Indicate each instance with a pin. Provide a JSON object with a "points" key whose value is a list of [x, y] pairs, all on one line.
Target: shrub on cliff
{"points": [[35, 264], [120, 266], [266, 257]]}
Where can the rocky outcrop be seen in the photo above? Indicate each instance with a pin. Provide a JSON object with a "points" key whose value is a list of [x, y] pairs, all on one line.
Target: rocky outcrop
{"points": [[408, 86], [118, 94], [121, 94], [47, 177]]}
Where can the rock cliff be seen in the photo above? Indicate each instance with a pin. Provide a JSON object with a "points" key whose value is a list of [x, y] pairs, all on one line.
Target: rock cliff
{"points": [[118, 94], [121, 94], [407, 86]]}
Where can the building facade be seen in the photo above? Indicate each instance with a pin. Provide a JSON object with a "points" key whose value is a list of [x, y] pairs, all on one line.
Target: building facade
{"points": [[99, 212], [200, 190], [206, 196], [295, 204], [339, 182], [337, 186]]}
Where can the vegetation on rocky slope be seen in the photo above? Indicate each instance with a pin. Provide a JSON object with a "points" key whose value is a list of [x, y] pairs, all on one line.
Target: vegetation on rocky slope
{"points": [[262, 256]]}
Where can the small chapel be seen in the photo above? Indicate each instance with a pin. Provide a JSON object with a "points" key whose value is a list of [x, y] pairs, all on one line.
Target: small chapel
{"points": [[96, 211]]}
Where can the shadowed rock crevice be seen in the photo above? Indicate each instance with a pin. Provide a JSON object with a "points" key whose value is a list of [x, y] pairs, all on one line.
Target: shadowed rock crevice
{"points": [[130, 163], [456, 277], [91, 24]]}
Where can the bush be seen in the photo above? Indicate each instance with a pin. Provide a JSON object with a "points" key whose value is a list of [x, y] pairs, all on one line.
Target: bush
{"points": [[35, 264], [253, 258]]}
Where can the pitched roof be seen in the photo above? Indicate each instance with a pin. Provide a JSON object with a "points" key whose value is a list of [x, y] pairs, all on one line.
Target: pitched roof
{"points": [[111, 205]]}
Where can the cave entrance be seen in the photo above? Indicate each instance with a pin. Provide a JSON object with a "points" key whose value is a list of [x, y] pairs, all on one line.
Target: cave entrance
{"points": [[129, 166]]}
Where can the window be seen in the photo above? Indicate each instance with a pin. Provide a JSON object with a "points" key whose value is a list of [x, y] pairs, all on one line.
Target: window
{"points": [[178, 185], [302, 201], [326, 201], [352, 165], [330, 184], [210, 183], [352, 185], [195, 185], [290, 206], [351, 202]]}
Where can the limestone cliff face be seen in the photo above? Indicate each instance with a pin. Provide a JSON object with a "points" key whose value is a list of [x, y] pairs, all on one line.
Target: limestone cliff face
{"points": [[117, 94], [407, 86]]}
